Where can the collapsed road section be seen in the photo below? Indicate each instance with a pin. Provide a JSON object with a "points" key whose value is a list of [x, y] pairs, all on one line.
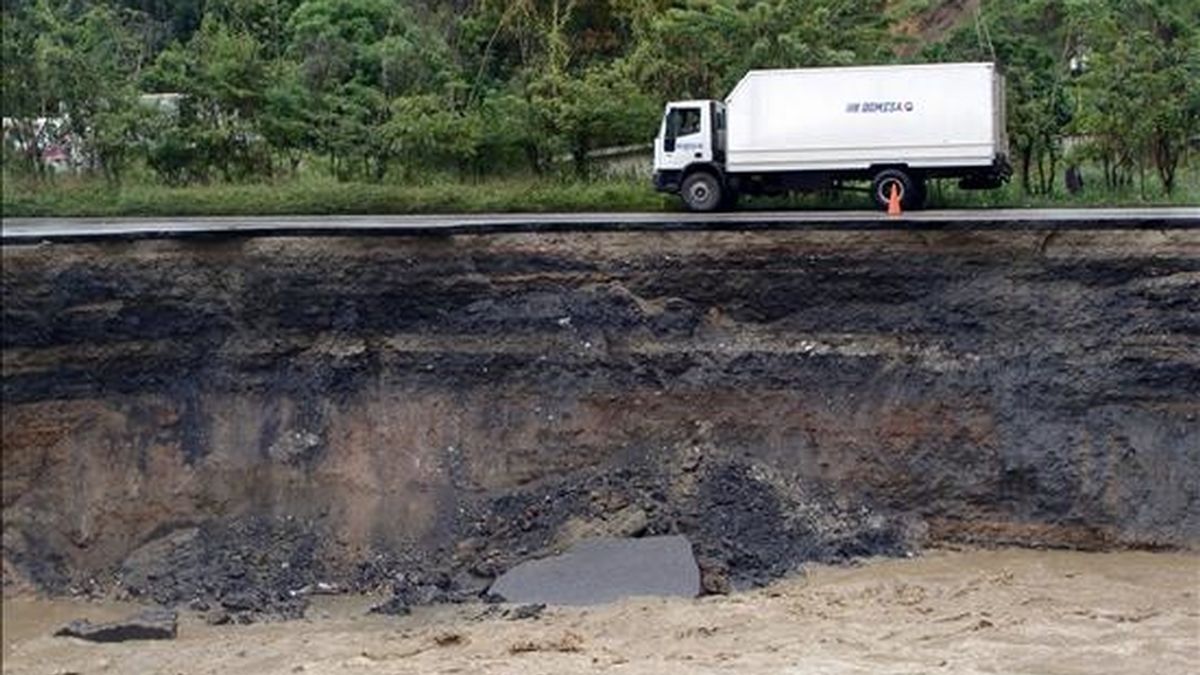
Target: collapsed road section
{"points": [[236, 423]]}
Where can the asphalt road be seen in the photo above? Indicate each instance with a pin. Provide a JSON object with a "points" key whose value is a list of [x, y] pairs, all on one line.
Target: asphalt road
{"points": [[33, 230]]}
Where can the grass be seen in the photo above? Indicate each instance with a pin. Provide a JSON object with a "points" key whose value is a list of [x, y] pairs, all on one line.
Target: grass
{"points": [[1094, 194], [317, 195]]}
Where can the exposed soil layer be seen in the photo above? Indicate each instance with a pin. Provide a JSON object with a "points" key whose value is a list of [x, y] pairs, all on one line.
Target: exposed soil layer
{"points": [[278, 414]]}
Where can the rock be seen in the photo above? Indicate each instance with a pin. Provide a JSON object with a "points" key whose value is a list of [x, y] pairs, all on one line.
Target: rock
{"points": [[596, 571], [318, 588], [217, 617], [628, 521], [152, 624], [449, 639], [523, 612], [466, 586], [241, 601], [393, 606], [714, 577], [468, 548]]}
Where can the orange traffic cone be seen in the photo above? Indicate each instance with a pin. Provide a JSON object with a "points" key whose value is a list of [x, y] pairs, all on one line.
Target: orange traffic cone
{"points": [[894, 201]]}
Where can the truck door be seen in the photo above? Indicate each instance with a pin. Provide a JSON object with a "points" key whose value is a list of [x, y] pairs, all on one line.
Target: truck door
{"points": [[686, 136]]}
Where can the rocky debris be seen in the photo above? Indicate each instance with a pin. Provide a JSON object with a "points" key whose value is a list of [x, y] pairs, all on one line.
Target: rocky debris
{"points": [[393, 606], [499, 610], [569, 642], [12, 580], [523, 612], [151, 624], [714, 577], [756, 525], [747, 524], [217, 617], [629, 521], [415, 587], [240, 571], [596, 571]]}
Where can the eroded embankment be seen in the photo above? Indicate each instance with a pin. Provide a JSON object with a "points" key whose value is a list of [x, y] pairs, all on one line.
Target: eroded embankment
{"points": [[269, 413]]}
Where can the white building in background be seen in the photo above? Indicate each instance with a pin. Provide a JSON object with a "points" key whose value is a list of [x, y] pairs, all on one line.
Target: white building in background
{"points": [[164, 103], [51, 138], [60, 151]]}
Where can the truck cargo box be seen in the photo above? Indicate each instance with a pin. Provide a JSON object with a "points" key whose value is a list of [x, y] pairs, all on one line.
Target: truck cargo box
{"points": [[815, 119]]}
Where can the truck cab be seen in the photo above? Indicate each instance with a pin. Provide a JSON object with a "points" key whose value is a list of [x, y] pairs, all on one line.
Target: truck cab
{"points": [[691, 139]]}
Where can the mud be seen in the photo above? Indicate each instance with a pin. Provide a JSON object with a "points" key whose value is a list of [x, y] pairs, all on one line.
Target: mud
{"points": [[424, 413], [1002, 611]]}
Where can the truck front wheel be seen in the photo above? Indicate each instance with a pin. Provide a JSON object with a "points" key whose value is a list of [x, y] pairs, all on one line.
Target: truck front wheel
{"points": [[701, 191], [884, 181]]}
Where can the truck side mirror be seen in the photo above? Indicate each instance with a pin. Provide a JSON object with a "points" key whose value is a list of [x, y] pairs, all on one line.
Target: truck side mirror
{"points": [[669, 144]]}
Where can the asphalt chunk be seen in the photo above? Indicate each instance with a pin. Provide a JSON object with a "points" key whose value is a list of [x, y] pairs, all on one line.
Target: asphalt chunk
{"points": [[600, 570]]}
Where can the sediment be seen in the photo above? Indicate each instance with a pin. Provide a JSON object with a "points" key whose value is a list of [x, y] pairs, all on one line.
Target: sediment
{"points": [[187, 420]]}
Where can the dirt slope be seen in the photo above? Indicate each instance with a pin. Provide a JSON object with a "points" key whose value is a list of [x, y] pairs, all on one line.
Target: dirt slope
{"points": [[275, 412]]}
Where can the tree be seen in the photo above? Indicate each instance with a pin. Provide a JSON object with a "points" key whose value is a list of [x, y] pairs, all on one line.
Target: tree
{"points": [[425, 132], [1028, 40], [77, 68], [355, 56], [703, 47], [223, 76], [601, 107], [1140, 90], [26, 92], [288, 122]]}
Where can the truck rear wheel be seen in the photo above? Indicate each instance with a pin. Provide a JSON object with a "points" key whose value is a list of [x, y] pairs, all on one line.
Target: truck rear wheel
{"points": [[701, 191], [884, 181]]}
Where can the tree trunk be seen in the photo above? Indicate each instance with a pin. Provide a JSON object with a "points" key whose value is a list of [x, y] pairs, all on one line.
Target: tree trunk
{"points": [[1026, 157], [579, 158], [1166, 160], [1041, 169]]}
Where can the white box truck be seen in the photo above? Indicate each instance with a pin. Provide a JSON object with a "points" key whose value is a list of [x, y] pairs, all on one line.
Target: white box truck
{"points": [[823, 128]]}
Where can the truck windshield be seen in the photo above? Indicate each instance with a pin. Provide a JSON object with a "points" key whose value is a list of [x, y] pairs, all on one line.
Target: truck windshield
{"points": [[683, 121]]}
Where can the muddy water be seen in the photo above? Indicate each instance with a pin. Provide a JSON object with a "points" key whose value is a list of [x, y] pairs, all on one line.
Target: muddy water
{"points": [[1000, 611]]}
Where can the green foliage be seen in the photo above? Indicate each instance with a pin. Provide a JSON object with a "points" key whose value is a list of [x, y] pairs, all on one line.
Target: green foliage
{"points": [[1141, 90], [1027, 39], [55, 63], [1133, 101], [391, 90], [700, 48]]}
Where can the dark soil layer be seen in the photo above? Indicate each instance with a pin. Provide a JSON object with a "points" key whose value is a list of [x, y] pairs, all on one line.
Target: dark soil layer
{"points": [[252, 419]]}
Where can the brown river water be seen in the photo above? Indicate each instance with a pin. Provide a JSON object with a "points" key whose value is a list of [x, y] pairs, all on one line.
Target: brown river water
{"points": [[948, 611]]}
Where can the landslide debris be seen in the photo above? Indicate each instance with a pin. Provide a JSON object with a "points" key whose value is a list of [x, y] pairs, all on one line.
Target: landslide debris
{"points": [[236, 571], [745, 524]]}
